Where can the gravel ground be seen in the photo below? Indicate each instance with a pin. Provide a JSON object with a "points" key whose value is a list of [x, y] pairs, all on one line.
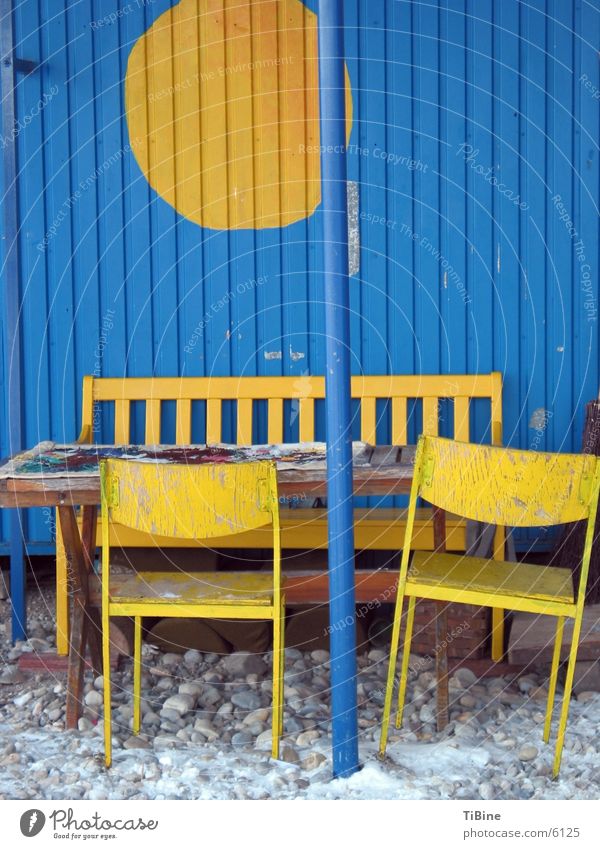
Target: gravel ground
{"points": [[206, 723]]}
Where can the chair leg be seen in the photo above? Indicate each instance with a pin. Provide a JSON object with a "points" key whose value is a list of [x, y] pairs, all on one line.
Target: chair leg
{"points": [[497, 634], [276, 720], [560, 621], [389, 689], [62, 594], [564, 713], [410, 618], [442, 697], [107, 699], [137, 674], [282, 666]]}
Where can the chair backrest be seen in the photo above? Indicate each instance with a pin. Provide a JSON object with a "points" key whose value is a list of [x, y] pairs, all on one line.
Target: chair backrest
{"points": [[212, 392], [505, 486], [189, 502]]}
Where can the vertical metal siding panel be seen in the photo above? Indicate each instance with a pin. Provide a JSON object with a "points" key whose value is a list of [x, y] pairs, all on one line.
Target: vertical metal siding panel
{"points": [[454, 245], [164, 223], [373, 182], [139, 271], [508, 270], [191, 266], [82, 42], [532, 60], [217, 243], [184, 67], [479, 139], [240, 336], [108, 179], [402, 282], [59, 204], [269, 296], [31, 91], [427, 191], [588, 174], [294, 342], [267, 240], [559, 260]]}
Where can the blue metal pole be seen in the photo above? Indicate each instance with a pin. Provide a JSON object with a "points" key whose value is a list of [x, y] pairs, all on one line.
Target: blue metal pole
{"points": [[12, 336], [342, 609]]}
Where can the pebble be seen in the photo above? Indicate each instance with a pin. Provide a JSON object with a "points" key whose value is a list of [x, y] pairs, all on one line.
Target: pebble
{"points": [[209, 696], [12, 675], [204, 727], [240, 664], [587, 696], [190, 688], [486, 791], [181, 702], [246, 700], [93, 698], [427, 713], [320, 656], [527, 753], [241, 738], [312, 761], [306, 738], [264, 740], [289, 755], [256, 716], [465, 676], [136, 742]]}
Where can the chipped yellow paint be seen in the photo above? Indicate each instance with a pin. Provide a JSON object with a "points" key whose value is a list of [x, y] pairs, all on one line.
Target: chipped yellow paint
{"points": [[505, 486], [191, 502], [510, 487], [490, 576], [222, 103], [214, 390], [229, 588]]}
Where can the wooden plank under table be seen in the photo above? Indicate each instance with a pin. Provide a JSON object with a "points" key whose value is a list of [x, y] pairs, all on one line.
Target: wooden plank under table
{"points": [[389, 472]]}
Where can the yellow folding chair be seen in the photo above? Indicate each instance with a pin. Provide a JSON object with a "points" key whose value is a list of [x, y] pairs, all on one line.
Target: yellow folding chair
{"points": [[190, 502], [503, 487]]}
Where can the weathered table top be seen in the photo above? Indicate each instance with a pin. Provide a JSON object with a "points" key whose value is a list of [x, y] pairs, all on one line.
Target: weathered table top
{"points": [[51, 475]]}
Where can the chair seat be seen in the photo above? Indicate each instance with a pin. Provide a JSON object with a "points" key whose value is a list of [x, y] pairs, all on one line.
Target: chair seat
{"points": [[476, 574], [205, 588]]}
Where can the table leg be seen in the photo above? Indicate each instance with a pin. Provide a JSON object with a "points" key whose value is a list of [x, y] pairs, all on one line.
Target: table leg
{"points": [[441, 630], [88, 539], [85, 624]]}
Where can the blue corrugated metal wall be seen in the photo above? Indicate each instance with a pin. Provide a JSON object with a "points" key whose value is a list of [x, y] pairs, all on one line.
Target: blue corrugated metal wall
{"points": [[471, 118]]}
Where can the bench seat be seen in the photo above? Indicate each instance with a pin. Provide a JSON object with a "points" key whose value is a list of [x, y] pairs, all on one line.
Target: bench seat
{"points": [[379, 528]]}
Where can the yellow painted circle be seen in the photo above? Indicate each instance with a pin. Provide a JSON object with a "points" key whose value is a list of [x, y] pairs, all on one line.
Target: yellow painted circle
{"points": [[223, 111]]}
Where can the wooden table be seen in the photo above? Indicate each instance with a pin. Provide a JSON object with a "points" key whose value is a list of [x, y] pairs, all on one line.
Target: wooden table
{"points": [[388, 472]]}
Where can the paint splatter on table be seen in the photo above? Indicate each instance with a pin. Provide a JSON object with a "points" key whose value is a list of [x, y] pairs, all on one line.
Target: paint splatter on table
{"points": [[49, 458]]}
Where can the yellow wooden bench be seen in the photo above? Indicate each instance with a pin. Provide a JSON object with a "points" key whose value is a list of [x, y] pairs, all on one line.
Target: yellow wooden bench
{"points": [[375, 528]]}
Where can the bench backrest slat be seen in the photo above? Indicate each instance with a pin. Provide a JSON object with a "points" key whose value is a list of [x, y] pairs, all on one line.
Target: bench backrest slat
{"points": [[276, 391]]}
